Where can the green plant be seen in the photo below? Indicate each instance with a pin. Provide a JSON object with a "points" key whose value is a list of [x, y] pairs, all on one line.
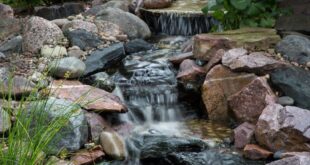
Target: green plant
{"points": [[234, 14]]}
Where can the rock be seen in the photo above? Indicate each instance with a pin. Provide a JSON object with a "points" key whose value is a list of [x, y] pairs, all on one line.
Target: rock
{"points": [[206, 45], [190, 71], [79, 24], [15, 86], [113, 145], [83, 39], [243, 135], [220, 83], [96, 125], [156, 4], [73, 135], [68, 67], [302, 158], [130, 24], [255, 152], [6, 11], [107, 29], [98, 2], [9, 27], [280, 128], [295, 48], [5, 121], [104, 58], [2, 55], [137, 45], [75, 51], [293, 82], [37, 32], [178, 59], [53, 160], [93, 98], [238, 59], [103, 81], [13, 45], [52, 52], [57, 11], [61, 22], [87, 156], [248, 104], [285, 100], [119, 4], [214, 60]]}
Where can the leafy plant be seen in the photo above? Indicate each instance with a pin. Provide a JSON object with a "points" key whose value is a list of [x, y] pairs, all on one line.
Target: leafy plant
{"points": [[234, 14]]}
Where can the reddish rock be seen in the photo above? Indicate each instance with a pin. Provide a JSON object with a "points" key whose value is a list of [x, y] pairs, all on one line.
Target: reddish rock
{"points": [[178, 59], [88, 156], [220, 83], [187, 46], [189, 71], [302, 158], [284, 128], [90, 98], [255, 152], [215, 59], [96, 125], [243, 134], [248, 104], [156, 4], [238, 59], [206, 45]]}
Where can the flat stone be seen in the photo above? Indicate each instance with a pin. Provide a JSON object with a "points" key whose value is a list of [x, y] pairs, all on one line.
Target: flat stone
{"points": [[243, 135], [285, 100], [51, 52], [104, 58], [220, 83], [293, 82], [137, 45], [93, 98], [190, 71], [255, 152], [178, 59], [280, 128], [248, 104], [88, 156]]}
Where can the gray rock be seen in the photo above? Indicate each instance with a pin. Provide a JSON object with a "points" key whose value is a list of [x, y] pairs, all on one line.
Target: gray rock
{"points": [[75, 51], [5, 121], [137, 45], [295, 48], [37, 32], [10, 27], [285, 100], [104, 58], [96, 125], [13, 45], [79, 24], [6, 11], [51, 52], [73, 135], [83, 39], [293, 82], [102, 80], [60, 22], [69, 67], [2, 55], [56, 11], [120, 4], [130, 24]]}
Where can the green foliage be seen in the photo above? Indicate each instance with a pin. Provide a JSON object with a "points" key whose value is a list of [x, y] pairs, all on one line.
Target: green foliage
{"points": [[234, 14]]}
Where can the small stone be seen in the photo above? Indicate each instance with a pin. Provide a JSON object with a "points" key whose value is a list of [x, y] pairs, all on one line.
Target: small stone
{"points": [[244, 134], [255, 152], [53, 51], [69, 67], [5, 121], [75, 51], [308, 64], [285, 100], [113, 145]]}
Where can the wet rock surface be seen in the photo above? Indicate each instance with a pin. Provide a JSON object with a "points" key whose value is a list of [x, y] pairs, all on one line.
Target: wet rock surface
{"points": [[83, 39]]}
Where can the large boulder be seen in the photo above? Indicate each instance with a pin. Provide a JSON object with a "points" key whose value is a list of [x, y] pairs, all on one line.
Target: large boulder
{"points": [[90, 98], [39, 31], [83, 39], [220, 83], [68, 67], [104, 58], [248, 104], [57, 11], [295, 48], [6, 11], [293, 82], [130, 24], [73, 135], [284, 128], [239, 59]]}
